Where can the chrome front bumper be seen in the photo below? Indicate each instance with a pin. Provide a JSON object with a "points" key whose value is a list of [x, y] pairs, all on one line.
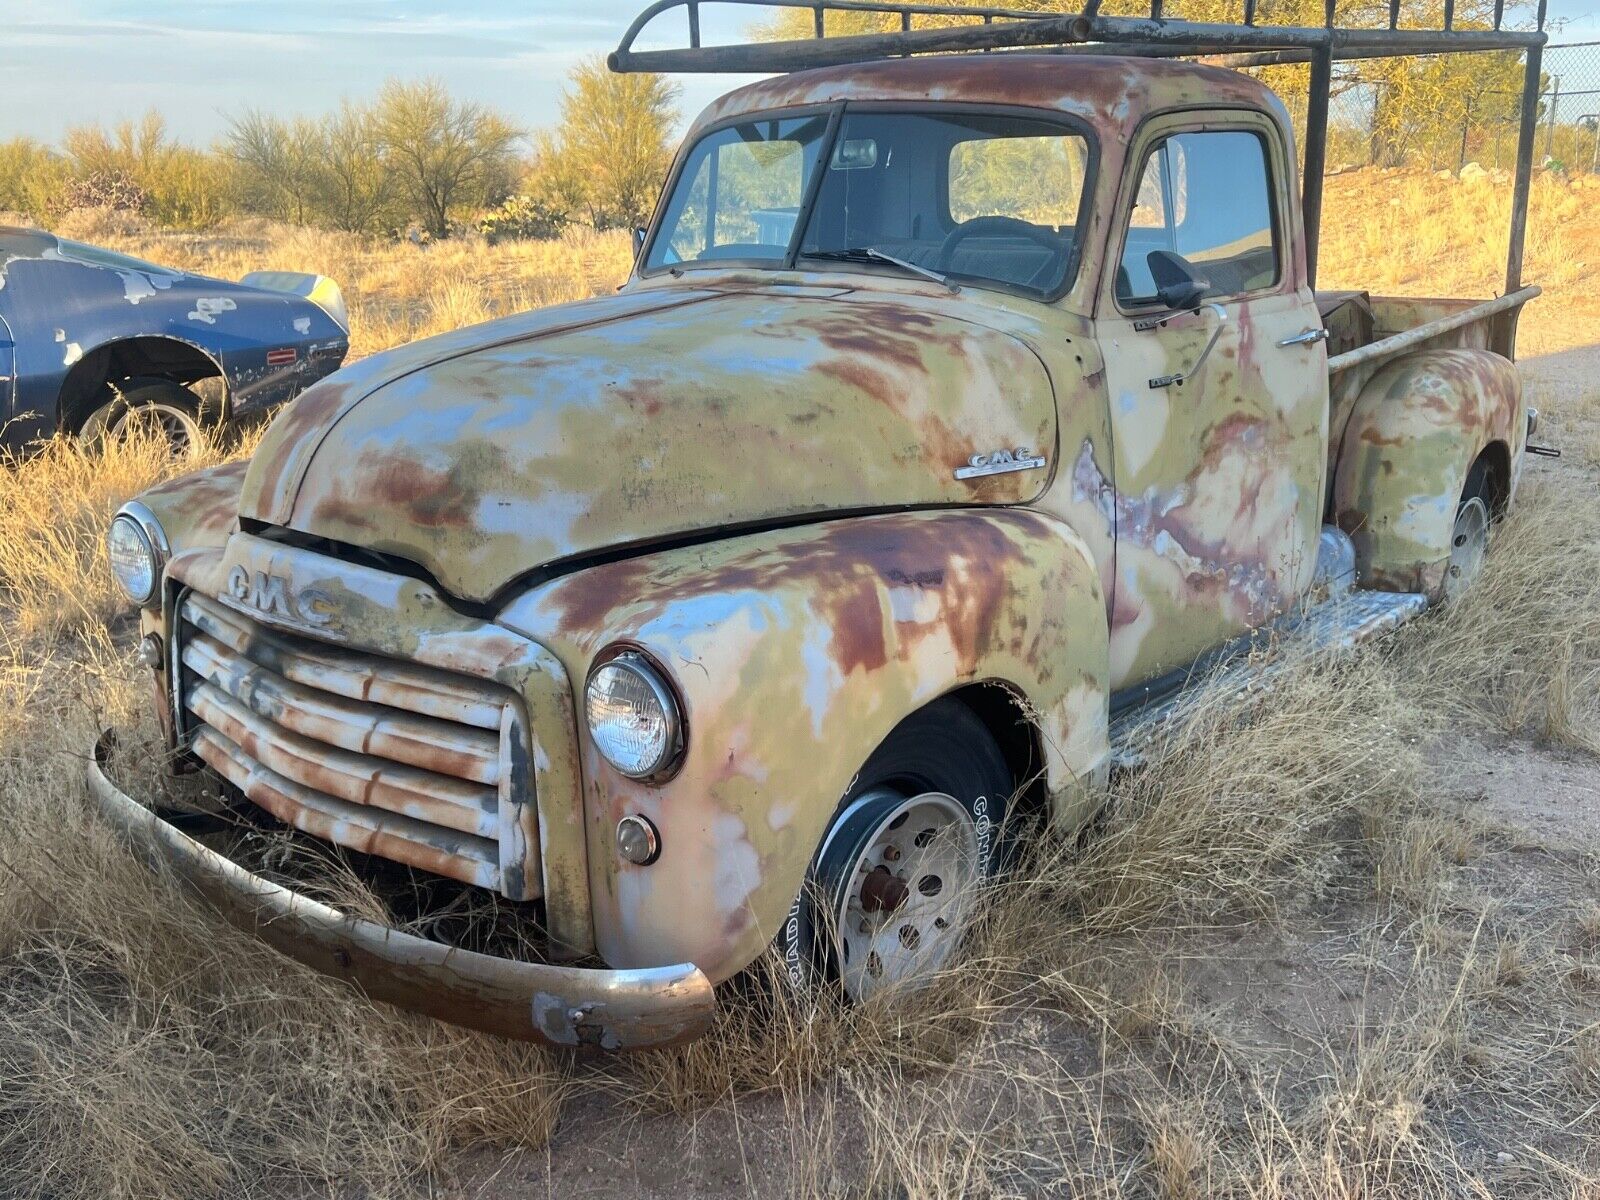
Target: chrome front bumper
{"points": [[557, 1005]]}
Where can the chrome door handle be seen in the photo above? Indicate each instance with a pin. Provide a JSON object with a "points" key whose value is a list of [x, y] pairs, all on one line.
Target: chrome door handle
{"points": [[1309, 338]]}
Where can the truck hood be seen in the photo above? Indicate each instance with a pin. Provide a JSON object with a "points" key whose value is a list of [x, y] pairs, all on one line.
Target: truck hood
{"points": [[492, 451]]}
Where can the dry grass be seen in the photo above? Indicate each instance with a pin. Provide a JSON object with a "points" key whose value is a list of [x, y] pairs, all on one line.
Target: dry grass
{"points": [[1122, 1024], [1413, 233], [397, 292]]}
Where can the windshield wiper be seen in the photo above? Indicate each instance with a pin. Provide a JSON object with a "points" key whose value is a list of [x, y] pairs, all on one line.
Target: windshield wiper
{"points": [[873, 254]]}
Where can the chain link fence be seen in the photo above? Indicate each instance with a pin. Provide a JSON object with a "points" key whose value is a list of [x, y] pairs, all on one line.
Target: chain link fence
{"points": [[1455, 110]]}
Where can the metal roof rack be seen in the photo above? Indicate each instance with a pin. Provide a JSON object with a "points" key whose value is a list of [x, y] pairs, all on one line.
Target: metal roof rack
{"points": [[1247, 43], [986, 28]]}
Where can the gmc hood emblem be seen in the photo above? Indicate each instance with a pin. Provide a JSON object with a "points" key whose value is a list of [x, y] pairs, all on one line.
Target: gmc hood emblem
{"points": [[1000, 462], [271, 595]]}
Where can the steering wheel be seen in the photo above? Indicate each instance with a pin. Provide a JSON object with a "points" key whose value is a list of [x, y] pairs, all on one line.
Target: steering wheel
{"points": [[1001, 225]]}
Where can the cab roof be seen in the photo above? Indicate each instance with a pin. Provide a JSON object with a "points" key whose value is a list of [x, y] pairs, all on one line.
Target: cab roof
{"points": [[1111, 93]]}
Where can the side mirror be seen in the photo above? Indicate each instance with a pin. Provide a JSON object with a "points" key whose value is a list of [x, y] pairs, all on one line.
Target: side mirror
{"points": [[1178, 285], [638, 240], [1183, 295]]}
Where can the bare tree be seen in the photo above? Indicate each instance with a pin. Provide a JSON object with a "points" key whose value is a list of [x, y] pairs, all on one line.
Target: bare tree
{"points": [[448, 154], [277, 162], [358, 194]]}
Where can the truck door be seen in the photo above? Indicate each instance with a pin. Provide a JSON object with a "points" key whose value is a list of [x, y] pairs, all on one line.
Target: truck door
{"points": [[1219, 427]]}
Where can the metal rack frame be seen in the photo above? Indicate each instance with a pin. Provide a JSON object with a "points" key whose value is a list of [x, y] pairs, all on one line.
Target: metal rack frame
{"points": [[1244, 44]]}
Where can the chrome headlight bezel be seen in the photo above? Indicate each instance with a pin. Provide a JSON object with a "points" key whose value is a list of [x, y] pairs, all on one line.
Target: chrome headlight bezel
{"points": [[153, 538], [656, 685]]}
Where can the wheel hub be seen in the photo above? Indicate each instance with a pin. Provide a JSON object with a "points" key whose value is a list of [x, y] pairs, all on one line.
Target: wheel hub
{"points": [[1469, 542], [882, 892], [906, 894], [177, 428]]}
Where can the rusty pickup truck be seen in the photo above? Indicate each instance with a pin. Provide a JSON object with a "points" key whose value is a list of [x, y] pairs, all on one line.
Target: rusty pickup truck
{"points": [[957, 408]]}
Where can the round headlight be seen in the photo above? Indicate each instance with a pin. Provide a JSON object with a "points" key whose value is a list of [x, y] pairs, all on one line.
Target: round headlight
{"points": [[135, 561], [633, 716]]}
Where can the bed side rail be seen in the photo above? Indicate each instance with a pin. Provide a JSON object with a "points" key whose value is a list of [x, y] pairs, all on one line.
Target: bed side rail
{"points": [[1408, 339]]}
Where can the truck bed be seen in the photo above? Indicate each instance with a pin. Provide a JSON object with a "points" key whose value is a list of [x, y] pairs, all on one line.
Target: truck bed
{"points": [[1356, 320]]}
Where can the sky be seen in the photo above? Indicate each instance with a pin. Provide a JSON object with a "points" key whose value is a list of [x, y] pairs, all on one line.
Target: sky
{"points": [[68, 62]]}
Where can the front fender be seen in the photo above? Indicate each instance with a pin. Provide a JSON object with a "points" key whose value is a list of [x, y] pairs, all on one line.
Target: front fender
{"points": [[1415, 431], [198, 511], [795, 652]]}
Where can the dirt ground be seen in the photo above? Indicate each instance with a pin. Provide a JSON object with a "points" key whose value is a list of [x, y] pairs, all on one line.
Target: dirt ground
{"points": [[1285, 990]]}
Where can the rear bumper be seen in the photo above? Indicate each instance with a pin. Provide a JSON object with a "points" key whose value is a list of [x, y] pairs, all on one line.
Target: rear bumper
{"points": [[557, 1005]]}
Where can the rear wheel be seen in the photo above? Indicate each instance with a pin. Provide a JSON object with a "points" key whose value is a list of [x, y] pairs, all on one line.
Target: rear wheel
{"points": [[890, 892], [159, 408], [1469, 538]]}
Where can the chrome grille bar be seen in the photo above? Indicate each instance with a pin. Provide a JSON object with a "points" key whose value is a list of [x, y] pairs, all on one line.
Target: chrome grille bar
{"points": [[390, 758]]}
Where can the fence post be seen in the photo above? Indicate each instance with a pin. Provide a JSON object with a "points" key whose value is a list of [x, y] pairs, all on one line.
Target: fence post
{"points": [[1550, 125]]}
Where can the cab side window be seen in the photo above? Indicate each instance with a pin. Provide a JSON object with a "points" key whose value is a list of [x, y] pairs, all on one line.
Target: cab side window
{"points": [[1203, 211]]}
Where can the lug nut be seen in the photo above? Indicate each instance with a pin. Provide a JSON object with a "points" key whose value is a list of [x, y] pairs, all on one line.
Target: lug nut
{"points": [[150, 652], [637, 840]]}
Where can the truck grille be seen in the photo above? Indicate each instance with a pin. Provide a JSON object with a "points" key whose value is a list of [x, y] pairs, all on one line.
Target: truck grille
{"points": [[389, 758]]}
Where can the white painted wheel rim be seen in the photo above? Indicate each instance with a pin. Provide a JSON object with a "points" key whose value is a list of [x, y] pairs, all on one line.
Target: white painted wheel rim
{"points": [[176, 426], [1469, 542], [928, 848]]}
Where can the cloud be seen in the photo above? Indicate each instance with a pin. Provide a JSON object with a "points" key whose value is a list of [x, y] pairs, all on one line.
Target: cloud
{"points": [[199, 63]]}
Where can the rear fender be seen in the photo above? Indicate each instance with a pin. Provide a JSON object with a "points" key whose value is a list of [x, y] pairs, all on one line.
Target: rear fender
{"points": [[795, 653], [1415, 431]]}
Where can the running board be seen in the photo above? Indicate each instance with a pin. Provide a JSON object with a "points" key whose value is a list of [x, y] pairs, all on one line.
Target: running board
{"points": [[1341, 622]]}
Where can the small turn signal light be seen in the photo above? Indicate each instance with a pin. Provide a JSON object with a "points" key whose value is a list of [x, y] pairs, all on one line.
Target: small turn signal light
{"points": [[150, 653], [637, 840]]}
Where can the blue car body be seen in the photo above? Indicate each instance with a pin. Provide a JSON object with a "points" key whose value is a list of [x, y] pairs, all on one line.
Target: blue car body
{"points": [[78, 322]]}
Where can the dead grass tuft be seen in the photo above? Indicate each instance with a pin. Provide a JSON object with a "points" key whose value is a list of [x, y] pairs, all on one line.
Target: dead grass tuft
{"points": [[54, 579]]}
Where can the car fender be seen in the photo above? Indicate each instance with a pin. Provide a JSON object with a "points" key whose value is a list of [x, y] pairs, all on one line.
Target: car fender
{"points": [[795, 652], [1415, 431]]}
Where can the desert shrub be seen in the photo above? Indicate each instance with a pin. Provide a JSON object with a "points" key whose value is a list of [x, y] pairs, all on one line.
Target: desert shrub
{"points": [[613, 147], [523, 217], [447, 155], [180, 186], [31, 178], [112, 191]]}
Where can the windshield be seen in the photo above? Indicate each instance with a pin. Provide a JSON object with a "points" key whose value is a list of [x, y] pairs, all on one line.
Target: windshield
{"points": [[971, 196]]}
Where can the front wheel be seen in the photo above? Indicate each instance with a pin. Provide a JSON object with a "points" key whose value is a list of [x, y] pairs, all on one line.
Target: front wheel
{"points": [[890, 892]]}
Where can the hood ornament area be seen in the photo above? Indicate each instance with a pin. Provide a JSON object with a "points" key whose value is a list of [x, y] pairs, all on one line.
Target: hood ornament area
{"points": [[999, 463], [272, 595]]}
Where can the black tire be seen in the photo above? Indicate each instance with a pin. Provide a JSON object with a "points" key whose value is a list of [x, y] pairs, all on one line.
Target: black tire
{"points": [[169, 406], [942, 748]]}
